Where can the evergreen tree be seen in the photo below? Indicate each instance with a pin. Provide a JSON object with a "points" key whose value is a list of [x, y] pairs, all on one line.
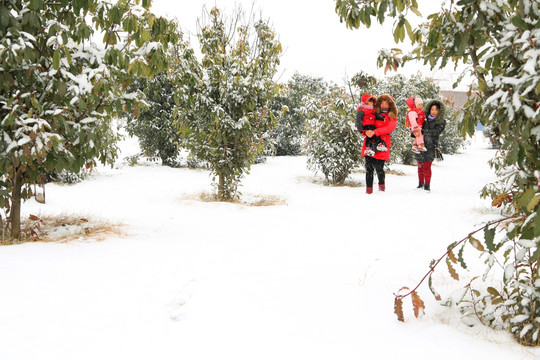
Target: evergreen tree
{"points": [[154, 126], [451, 141], [332, 145], [224, 101], [287, 137], [59, 90]]}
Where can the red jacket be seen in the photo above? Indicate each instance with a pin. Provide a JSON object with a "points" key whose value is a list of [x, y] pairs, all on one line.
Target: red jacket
{"points": [[383, 129], [368, 117]]}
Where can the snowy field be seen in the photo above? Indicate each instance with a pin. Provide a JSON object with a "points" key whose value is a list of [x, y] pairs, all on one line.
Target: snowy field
{"points": [[312, 278]]}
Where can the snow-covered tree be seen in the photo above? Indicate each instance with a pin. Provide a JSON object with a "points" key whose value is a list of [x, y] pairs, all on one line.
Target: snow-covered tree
{"points": [[154, 125], [287, 137], [60, 87], [332, 145], [223, 101], [498, 41], [451, 141]]}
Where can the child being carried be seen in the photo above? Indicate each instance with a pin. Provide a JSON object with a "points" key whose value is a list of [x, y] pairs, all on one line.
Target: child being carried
{"points": [[365, 120], [415, 120]]}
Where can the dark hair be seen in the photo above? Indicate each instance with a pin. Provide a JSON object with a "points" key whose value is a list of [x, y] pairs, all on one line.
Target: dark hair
{"points": [[436, 105]]}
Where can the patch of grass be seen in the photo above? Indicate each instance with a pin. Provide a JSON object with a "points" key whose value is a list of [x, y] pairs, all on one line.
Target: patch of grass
{"points": [[395, 172], [319, 180], [64, 228], [250, 200]]}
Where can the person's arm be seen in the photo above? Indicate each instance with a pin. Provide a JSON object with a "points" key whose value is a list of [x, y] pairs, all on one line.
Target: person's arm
{"points": [[360, 120], [436, 131], [387, 128]]}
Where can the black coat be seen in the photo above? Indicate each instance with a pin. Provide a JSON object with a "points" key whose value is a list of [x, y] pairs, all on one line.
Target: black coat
{"points": [[431, 130]]}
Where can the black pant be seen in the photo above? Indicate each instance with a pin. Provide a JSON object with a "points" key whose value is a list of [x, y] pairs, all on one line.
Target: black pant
{"points": [[371, 165]]}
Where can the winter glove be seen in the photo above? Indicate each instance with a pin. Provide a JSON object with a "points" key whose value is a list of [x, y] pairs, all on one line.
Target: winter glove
{"points": [[379, 117]]}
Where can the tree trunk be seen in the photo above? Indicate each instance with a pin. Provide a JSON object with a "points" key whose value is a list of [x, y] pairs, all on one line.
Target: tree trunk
{"points": [[221, 186], [15, 213]]}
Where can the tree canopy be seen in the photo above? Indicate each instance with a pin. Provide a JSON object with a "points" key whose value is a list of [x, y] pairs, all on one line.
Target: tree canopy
{"points": [[64, 70]]}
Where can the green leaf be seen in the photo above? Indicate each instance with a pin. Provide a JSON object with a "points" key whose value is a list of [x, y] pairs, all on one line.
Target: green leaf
{"points": [[525, 198], [110, 38], [35, 4], [33, 20], [396, 34], [493, 291], [489, 236], [415, 11], [68, 56], [56, 59], [537, 226], [61, 89], [520, 23], [533, 203], [409, 29], [432, 289], [382, 10], [4, 17], [402, 33], [460, 258]]}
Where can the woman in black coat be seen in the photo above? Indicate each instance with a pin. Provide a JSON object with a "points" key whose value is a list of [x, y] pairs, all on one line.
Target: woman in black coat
{"points": [[433, 127]]}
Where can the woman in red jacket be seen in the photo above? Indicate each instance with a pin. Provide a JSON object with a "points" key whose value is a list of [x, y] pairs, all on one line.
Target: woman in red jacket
{"points": [[385, 122]]}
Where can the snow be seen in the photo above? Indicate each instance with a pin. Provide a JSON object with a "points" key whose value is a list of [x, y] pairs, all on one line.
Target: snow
{"points": [[312, 278]]}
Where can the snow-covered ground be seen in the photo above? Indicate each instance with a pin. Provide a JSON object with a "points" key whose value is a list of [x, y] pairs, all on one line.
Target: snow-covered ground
{"points": [[312, 278]]}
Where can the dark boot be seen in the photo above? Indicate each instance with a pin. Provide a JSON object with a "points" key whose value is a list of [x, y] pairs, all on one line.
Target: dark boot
{"points": [[382, 187], [420, 186], [369, 190], [427, 187]]}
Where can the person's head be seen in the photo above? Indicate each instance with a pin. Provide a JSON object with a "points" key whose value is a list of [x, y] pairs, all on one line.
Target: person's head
{"points": [[434, 110], [386, 104], [418, 102], [368, 99]]}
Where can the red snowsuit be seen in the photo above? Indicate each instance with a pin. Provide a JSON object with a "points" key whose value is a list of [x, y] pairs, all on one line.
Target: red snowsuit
{"points": [[414, 120]]}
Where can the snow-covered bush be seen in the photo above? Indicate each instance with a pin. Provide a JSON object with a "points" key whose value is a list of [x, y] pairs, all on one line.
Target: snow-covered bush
{"points": [[451, 141], [333, 145], [59, 90], [153, 126], [65, 177], [288, 135], [492, 132], [223, 103]]}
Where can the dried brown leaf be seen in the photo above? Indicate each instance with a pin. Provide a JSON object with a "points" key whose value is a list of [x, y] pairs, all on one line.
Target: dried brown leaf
{"points": [[499, 199], [451, 270], [418, 304], [398, 309], [476, 244], [452, 257]]}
